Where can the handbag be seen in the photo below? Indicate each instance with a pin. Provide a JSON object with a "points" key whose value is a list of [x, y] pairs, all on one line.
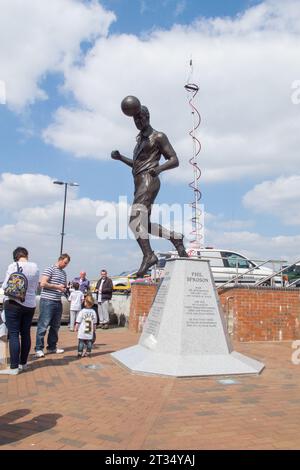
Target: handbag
{"points": [[16, 286]]}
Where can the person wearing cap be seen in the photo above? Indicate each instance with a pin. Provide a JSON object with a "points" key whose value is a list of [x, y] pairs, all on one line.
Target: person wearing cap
{"points": [[84, 283]]}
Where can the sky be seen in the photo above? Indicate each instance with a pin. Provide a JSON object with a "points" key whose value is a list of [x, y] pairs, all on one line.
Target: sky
{"points": [[66, 65]]}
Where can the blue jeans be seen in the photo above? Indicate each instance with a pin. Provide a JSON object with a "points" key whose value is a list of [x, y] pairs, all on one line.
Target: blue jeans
{"points": [[85, 342], [18, 324], [50, 315]]}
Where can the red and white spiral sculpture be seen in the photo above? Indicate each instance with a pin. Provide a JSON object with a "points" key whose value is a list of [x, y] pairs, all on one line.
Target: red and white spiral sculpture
{"points": [[197, 227]]}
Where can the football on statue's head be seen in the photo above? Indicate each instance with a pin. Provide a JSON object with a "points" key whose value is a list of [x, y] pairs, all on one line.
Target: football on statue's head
{"points": [[131, 105]]}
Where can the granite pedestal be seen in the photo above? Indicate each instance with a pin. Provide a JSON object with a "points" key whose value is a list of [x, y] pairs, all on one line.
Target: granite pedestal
{"points": [[185, 333]]}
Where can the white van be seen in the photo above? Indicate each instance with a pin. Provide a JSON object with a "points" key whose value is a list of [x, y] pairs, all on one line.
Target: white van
{"points": [[225, 265]]}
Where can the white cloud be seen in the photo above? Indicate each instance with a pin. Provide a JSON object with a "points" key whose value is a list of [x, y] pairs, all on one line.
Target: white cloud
{"points": [[97, 231], [280, 198], [250, 128], [2, 92], [85, 133], [221, 222], [38, 37], [37, 225], [18, 191], [35, 207], [245, 67]]}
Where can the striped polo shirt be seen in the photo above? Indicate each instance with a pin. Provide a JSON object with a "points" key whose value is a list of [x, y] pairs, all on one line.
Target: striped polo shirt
{"points": [[56, 276]]}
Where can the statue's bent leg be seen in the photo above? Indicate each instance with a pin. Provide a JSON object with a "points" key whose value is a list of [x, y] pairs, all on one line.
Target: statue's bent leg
{"points": [[139, 225], [175, 238], [138, 222], [145, 193]]}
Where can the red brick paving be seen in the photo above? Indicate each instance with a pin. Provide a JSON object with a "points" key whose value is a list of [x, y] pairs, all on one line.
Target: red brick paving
{"points": [[59, 404]]}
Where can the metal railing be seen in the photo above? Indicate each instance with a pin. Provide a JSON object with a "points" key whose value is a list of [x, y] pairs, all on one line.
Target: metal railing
{"points": [[293, 283], [262, 281], [239, 276]]}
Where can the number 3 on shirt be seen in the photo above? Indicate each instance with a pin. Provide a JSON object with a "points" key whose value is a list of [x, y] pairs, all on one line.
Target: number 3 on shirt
{"points": [[88, 326]]}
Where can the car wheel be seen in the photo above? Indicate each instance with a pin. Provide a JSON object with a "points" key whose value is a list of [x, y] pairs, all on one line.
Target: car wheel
{"points": [[267, 283]]}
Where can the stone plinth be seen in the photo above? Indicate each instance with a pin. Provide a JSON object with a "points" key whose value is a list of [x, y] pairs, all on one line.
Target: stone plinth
{"points": [[185, 332]]}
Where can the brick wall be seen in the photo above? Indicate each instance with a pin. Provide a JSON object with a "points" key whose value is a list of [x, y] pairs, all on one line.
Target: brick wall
{"points": [[253, 314], [262, 314], [142, 296]]}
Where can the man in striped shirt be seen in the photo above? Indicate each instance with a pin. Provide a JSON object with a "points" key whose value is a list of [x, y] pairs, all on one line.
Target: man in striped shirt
{"points": [[53, 283]]}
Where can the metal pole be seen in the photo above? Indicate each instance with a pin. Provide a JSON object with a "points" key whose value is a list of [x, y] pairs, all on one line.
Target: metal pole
{"points": [[197, 229], [63, 222], [196, 184]]}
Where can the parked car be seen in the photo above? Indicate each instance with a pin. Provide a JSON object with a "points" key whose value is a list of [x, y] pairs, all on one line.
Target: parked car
{"points": [[225, 265], [293, 273], [65, 318], [66, 306], [122, 283]]}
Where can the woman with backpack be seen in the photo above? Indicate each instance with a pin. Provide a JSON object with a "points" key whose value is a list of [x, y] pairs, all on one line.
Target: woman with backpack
{"points": [[19, 286]]}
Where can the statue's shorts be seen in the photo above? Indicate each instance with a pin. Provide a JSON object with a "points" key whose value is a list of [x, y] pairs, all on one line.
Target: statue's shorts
{"points": [[146, 188]]}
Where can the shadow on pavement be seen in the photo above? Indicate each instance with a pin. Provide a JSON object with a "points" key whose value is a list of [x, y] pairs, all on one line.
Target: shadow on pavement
{"points": [[13, 432], [69, 349], [61, 360]]}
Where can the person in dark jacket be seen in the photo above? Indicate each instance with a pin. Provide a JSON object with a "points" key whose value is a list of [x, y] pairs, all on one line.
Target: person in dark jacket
{"points": [[104, 290]]}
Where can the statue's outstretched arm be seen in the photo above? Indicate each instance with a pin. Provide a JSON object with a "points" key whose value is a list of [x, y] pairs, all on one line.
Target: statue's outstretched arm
{"points": [[115, 155]]}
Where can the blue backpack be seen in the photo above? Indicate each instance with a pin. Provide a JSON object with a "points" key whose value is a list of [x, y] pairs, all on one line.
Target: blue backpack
{"points": [[17, 284]]}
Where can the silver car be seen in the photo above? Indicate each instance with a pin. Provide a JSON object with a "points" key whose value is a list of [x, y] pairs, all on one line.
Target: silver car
{"points": [[66, 306], [65, 318]]}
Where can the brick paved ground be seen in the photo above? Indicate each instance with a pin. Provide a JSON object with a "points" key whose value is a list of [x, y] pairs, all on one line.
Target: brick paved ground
{"points": [[60, 404]]}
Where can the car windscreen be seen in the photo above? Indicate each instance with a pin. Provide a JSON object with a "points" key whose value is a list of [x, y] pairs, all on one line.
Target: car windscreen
{"points": [[234, 260], [293, 271]]}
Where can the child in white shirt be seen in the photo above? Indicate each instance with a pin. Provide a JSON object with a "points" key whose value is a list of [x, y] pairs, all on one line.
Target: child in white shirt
{"points": [[86, 326], [76, 298]]}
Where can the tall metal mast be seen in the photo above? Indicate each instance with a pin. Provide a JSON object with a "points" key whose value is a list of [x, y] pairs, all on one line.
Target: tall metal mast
{"points": [[197, 214]]}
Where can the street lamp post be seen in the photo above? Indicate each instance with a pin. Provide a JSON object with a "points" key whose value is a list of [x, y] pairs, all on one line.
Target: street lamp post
{"points": [[64, 210]]}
